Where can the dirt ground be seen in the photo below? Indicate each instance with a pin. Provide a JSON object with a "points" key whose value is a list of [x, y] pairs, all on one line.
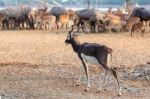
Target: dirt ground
{"points": [[38, 65]]}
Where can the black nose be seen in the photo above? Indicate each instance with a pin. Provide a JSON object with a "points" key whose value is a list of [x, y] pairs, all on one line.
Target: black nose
{"points": [[66, 42]]}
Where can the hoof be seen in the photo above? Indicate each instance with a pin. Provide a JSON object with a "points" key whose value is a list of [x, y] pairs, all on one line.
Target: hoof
{"points": [[120, 93], [87, 89], [98, 91], [77, 84]]}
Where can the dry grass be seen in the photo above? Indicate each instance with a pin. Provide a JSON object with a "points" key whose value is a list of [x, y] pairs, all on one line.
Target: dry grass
{"points": [[40, 47]]}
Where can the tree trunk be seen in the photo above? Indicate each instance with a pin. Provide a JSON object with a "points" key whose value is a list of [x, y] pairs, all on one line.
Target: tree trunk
{"points": [[128, 5], [88, 3]]}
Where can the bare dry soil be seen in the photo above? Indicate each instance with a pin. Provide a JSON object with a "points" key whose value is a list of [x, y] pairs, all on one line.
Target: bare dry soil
{"points": [[38, 65]]}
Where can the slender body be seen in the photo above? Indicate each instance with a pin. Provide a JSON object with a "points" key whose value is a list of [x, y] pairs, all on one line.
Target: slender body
{"points": [[64, 20], [94, 54], [131, 21], [137, 27]]}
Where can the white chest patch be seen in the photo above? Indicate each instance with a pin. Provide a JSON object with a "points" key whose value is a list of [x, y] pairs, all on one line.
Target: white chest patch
{"points": [[90, 59]]}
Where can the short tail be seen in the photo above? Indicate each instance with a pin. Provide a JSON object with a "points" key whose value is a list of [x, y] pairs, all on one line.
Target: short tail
{"points": [[109, 58]]}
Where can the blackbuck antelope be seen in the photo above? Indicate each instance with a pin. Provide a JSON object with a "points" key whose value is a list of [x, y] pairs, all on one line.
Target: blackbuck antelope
{"points": [[94, 54]]}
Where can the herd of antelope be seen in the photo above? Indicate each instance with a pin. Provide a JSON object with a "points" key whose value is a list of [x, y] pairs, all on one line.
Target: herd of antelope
{"points": [[58, 18]]}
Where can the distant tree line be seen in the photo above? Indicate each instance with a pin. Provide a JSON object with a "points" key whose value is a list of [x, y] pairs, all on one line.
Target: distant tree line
{"points": [[74, 2]]}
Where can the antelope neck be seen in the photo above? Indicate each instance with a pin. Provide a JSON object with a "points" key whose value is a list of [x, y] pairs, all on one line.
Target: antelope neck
{"points": [[75, 44]]}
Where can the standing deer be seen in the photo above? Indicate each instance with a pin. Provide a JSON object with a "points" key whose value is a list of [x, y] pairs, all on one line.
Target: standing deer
{"points": [[64, 20], [137, 27], [94, 54], [1, 21]]}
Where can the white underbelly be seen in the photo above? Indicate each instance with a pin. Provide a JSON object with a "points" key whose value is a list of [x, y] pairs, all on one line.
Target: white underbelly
{"points": [[90, 59]]}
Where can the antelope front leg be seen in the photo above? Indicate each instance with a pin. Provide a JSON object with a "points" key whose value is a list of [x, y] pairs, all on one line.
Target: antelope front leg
{"points": [[87, 74], [78, 81]]}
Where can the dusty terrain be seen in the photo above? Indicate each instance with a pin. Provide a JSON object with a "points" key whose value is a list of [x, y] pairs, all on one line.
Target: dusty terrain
{"points": [[38, 65]]}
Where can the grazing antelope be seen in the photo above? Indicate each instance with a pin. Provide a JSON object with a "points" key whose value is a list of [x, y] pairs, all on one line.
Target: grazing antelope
{"points": [[94, 54], [116, 20], [64, 20], [137, 27], [1, 19], [49, 21], [131, 21]]}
